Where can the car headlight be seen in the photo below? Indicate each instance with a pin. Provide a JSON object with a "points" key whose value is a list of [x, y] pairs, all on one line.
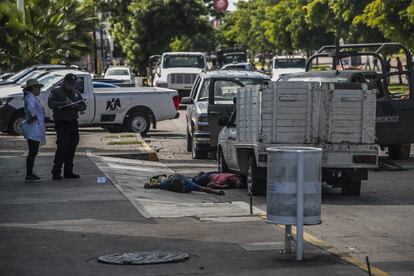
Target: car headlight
{"points": [[4, 101]]}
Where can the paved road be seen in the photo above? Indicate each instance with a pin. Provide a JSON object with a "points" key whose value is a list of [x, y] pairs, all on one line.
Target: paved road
{"points": [[60, 228], [377, 224]]}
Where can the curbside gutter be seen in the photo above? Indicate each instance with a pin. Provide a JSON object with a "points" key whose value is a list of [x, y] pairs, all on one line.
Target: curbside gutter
{"points": [[151, 154]]}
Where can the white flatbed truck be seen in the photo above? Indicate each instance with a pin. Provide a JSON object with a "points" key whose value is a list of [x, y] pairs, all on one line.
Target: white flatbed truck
{"points": [[336, 117]]}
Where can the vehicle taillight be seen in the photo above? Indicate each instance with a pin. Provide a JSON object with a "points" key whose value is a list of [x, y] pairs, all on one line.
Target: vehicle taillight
{"points": [[176, 101], [367, 159]]}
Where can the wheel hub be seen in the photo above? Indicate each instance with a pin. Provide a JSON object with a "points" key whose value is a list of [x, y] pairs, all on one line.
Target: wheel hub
{"points": [[138, 124]]}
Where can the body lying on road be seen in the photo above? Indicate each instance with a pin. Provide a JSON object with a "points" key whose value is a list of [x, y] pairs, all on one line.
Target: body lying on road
{"points": [[178, 183]]}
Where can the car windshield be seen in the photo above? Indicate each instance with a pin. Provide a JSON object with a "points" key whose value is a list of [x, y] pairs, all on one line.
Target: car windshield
{"points": [[187, 61], [234, 58], [20, 74], [226, 90], [32, 75], [49, 80], [118, 72], [289, 63]]}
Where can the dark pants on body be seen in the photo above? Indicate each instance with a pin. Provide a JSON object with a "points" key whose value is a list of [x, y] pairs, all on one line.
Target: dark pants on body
{"points": [[67, 138], [33, 150]]}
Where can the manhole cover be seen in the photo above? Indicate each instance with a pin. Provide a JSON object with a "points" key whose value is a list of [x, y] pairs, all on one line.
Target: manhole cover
{"points": [[144, 257]]}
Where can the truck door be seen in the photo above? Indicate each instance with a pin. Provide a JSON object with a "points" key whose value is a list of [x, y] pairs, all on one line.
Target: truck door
{"points": [[394, 122], [221, 103], [85, 87]]}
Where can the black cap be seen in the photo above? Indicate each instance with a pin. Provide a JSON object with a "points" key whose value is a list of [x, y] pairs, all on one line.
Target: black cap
{"points": [[70, 78]]}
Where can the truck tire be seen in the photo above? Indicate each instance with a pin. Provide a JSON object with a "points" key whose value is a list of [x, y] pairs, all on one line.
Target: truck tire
{"points": [[399, 151], [138, 122], [189, 141], [352, 188], [197, 154], [254, 185], [221, 162], [15, 126]]}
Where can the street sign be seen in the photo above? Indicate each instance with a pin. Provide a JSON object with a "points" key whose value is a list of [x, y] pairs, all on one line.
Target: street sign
{"points": [[221, 5]]}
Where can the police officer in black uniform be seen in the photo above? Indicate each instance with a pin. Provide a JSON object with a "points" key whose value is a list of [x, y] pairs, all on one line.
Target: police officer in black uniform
{"points": [[66, 102]]}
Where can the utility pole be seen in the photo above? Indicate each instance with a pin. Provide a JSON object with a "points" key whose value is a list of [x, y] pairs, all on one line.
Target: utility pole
{"points": [[20, 5], [20, 8]]}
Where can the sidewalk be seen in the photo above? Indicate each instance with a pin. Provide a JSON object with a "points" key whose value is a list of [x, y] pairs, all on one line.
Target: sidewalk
{"points": [[60, 228], [92, 140]]}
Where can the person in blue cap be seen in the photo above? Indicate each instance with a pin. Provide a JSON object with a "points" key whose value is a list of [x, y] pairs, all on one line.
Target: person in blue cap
{"points": [[66, 102]]}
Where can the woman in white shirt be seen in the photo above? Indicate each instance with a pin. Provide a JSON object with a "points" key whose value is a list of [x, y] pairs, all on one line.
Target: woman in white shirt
{"points": [[33, 127]]}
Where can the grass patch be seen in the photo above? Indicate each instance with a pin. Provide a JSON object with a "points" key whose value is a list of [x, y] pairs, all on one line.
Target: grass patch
{"points": [[124, 143], [398, 88]]}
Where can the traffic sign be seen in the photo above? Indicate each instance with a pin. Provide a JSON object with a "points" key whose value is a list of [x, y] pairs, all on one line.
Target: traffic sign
{"points": [[221, 5]]}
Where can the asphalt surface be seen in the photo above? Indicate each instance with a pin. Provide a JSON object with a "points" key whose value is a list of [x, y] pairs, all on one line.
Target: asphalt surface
{"points": [[377, 224], [60, 228]]}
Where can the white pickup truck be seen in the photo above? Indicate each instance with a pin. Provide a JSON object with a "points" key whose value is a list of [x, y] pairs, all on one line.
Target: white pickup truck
{"points": [[178, 70], [286, 65], [337, 117], [133, 109]]}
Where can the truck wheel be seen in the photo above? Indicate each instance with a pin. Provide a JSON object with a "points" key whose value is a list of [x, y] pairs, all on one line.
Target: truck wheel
{"points": [[254, 185], [138, 122], [352, 188], [189, 141], [15, 126], [197, 154], [399, 151], [221, 162]]}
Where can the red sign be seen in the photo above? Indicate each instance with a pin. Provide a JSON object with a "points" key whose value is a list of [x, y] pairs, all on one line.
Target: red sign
{"points": [[221, 5]]}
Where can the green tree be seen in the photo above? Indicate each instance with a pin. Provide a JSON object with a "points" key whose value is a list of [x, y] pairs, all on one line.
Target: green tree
{"points": [[152, 26], [52, 30], [339, 18], [245, 28], [394, 18]]}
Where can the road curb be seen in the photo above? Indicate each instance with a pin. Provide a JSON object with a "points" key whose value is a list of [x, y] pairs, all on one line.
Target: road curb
{"points": [[151, 154], [140, 151], [334, 251]]}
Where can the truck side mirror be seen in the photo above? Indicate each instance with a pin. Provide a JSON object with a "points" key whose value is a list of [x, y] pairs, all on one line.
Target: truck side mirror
{"points": [[187, 100], [223, 121], [158, 71]]}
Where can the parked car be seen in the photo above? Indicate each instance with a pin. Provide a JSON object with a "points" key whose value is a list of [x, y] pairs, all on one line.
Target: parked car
{"points": [[337, 117], [132, 109], [46, 67], [230, 55], [5, 76], [212, 96], [178, 70], [282, 65], [99, 84], [238, 66], [118, 73]]}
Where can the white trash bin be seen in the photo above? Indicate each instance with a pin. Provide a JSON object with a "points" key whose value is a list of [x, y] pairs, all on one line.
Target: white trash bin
{"points": [[294, 188]]}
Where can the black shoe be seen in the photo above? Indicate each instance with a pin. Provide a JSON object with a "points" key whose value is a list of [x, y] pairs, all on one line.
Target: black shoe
{"points": [[71, 176], [32, 178], [57, 177]]}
